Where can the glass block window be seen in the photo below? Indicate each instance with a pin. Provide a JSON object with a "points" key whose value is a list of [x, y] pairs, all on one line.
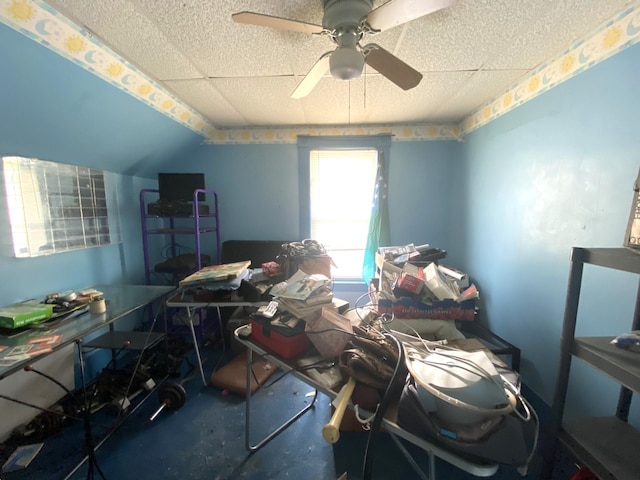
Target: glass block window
{"points": [[54, 207]]}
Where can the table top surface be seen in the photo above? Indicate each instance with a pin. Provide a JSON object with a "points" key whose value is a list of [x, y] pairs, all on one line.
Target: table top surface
{"points": [[121, 300]]}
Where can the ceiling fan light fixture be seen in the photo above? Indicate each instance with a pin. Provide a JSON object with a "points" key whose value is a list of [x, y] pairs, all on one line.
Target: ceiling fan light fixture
{"points": [[346, 63]]}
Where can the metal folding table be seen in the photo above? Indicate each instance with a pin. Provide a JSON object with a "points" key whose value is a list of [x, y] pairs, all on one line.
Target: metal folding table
{"points": [[389, 423]]}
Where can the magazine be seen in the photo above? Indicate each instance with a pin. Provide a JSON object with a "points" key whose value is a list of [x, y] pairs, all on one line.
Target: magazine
{"points": [[300, 286], [215, 273]]}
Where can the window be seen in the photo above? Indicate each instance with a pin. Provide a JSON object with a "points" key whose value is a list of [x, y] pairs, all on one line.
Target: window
{"points": [[55, 207], [342, 184]]}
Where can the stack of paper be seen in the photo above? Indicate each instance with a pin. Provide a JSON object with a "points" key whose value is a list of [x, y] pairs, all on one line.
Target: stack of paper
{"points": [[303, 294]]}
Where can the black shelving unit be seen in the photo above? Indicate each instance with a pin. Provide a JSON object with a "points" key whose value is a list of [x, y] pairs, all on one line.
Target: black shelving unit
{"points": [[608, 446], [193, 223]]}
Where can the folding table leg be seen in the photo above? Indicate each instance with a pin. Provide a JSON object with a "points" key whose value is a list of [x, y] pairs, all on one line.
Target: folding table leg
{"points": [[281, 428], [190, 313]]}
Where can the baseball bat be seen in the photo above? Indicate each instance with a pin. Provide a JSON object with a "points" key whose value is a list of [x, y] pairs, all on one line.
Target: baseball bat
{"points": [[331, 431]]}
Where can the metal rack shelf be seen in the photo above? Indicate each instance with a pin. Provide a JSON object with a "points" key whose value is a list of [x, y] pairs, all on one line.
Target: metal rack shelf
{"points": [[211, 225], [606, 445]]}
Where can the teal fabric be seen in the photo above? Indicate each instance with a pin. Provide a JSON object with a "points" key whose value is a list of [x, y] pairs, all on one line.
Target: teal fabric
{"points": [[379, 234]]}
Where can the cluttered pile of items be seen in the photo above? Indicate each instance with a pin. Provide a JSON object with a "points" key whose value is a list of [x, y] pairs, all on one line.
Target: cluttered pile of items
{"points": [[53, 310], [402, 348]]}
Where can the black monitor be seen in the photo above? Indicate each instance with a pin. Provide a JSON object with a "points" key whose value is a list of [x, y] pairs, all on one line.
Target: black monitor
{"points": [[179, 187]]}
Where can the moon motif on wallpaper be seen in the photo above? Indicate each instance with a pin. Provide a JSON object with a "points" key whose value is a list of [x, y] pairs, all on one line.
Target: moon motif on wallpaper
{"points": [[633, 28], [41, 27], [89, 57], [584, 55]]}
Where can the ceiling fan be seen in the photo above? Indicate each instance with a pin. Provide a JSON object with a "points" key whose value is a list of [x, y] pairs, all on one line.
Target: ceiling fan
{"points": [[346, 22]]}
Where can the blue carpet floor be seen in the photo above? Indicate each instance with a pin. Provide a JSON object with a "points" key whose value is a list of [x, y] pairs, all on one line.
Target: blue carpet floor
{"points": [[205, 439]]}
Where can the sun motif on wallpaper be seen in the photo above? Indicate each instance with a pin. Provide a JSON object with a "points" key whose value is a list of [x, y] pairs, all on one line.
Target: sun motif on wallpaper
{"points": [[506, 101], [612, 37], [567, 63], [20, 10], [74, 44], [114, 70], [144, 89]]}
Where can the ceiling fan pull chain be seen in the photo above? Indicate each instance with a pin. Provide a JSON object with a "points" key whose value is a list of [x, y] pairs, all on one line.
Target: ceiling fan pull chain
{"points": [[349, 103]]}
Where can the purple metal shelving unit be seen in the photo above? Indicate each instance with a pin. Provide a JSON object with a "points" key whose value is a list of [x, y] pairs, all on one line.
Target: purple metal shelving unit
{"points": [[202, 224]]}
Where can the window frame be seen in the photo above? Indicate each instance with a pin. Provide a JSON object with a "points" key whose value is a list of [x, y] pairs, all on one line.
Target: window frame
{"points": [[382, 143]]}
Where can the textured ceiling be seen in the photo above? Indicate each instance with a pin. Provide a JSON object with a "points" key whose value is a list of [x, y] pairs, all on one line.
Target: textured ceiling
{"points": [[242, 76]]}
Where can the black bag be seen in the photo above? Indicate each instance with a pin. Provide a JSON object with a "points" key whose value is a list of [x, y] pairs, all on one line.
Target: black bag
{"points": [[308, 255]]}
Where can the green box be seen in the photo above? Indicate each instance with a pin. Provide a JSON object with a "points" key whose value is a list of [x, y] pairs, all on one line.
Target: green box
{"points": [[21, 314]]}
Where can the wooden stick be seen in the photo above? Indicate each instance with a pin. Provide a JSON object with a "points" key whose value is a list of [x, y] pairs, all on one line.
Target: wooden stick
{"points": [[331, 431]]}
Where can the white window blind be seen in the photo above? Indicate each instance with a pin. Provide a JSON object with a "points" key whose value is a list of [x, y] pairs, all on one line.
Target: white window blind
{"points": [[342, 184]]}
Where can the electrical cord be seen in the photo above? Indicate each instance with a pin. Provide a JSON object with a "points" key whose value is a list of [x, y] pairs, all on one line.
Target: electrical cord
{"points": [[526, 416], [506, 387], [88, 435], [468, 365], [399, 373]]}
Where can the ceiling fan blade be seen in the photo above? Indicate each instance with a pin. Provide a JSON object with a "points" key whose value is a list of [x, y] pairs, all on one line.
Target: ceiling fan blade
{"points": [[250, 18], [397, 12], [312, 78], [392, 67]]}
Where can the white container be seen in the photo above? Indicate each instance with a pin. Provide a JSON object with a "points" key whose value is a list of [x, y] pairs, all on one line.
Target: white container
{"points": [[98, 306]]}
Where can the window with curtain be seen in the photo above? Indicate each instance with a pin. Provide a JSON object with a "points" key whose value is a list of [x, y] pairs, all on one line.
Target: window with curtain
{"points": [[342, 187], [342, 198]]}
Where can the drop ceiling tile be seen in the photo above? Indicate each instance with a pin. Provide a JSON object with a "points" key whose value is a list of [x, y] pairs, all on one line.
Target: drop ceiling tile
{"points": [[120, 25], [546, 35], [467, 34], [263, 102], [481, 85], [415, 105], [203, 97], [205, 32], [328, 103]]}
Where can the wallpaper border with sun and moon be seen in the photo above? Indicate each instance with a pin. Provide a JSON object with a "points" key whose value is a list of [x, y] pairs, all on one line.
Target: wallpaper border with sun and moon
{"points": [[43, 24]]}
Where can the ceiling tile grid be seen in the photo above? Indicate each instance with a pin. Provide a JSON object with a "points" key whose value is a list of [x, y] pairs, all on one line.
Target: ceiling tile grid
{"points": [[211, 103], [191, 61]]}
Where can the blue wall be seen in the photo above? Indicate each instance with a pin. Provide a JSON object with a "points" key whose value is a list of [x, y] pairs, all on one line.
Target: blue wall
{"points": [[507, 203], [54, 110], [259, 199], [258, 189], [57, 111], [556, 172]]}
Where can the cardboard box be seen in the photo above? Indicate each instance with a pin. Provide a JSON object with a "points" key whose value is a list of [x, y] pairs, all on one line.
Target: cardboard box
{"points": [[329, 332], [22, 314], [407, 308]]}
